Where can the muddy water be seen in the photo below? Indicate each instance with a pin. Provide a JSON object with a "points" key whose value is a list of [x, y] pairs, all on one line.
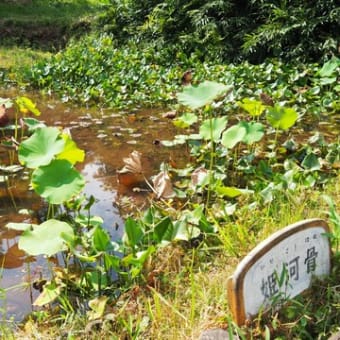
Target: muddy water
{"points": [[107, 137]]}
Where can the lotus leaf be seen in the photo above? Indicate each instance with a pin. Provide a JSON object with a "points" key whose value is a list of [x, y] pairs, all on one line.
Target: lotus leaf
{"points": [[46, 238], [212, 128], [57, 182], [202, 94], [41, 147], [187, 119], [71, 152], [281, 118], [255, 132], [233, 135], [253, 107]]}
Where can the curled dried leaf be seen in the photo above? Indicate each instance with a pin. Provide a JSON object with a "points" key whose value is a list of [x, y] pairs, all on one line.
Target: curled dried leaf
{"points": [[199, 176], [163, 185], [133, 163], [169, 114]]}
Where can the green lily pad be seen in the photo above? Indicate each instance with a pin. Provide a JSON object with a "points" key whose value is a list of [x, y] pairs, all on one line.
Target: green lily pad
{"points": [[71, 152], [46, 238], [253, 107], [187, 119], [41, 147], [255, 132], [57, 182], [281, 117], [233, 135], [212, 128], [202, 94]]}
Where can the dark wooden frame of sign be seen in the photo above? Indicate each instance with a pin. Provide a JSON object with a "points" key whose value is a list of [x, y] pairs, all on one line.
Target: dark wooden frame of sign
{"points": [[235, 283]]}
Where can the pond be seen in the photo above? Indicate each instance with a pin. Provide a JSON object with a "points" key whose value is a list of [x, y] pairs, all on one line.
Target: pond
{"points": [[107, 137]]}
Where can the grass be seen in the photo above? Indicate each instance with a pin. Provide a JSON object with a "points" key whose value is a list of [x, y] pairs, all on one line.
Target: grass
{"points": [[15, 57], [27, 27], [187, 288], [45, 25], [54, 11]]}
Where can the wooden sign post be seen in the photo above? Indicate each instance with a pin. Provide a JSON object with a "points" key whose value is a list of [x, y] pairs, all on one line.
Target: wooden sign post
{"points": [[284, 263]]}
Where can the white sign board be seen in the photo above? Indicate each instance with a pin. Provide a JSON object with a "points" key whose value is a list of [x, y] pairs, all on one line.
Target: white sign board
{"points": [[282, 265]]}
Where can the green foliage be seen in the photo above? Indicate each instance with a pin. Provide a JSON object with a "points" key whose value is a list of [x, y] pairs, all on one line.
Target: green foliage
{"points": [[202, 94], [97, 70], [236, 166], [248, 133], [281, 118], [48, 152], [229, 30], [294, 29], [46, 238], [41, 147], [57, 182]]}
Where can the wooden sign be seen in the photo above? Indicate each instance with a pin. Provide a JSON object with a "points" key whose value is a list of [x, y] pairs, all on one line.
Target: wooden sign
{"points": [[283, 264]]}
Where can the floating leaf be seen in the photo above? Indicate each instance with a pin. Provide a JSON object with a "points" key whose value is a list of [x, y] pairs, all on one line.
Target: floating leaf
{"points": [[57, 182], [281, 118], [26, 105], [329, 67], [211, 129], [10, 169], [202, 94], [41, 147], [20, 226], [186, 120], [46, 238]]}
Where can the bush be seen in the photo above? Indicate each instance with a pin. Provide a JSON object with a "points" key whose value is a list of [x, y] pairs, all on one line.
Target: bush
{"points": [[230, 30]]}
